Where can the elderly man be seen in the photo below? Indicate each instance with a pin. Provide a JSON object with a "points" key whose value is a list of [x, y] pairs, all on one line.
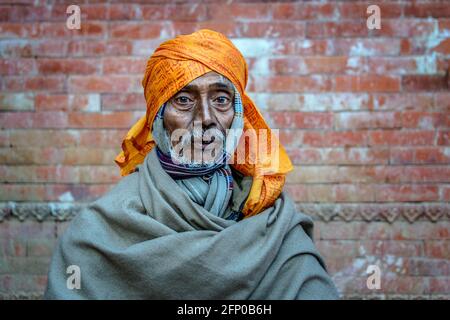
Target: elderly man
{"points": [[189, 220]]}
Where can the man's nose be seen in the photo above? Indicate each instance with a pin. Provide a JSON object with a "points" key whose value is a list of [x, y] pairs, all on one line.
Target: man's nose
{"points": [[204, 114]]}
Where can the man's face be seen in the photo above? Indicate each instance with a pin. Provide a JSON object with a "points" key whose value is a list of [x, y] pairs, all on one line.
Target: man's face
{"points": [[205, 109]]}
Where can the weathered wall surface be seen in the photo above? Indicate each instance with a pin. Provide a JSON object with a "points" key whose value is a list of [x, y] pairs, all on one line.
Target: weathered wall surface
{"points": [[364, 115]]}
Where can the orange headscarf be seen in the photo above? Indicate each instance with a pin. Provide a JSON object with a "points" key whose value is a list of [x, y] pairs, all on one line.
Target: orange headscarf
{"points": [[173, 65]]}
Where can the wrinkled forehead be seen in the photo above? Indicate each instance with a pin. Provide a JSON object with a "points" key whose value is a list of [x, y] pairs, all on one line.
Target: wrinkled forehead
{"points": [[211, 80]]}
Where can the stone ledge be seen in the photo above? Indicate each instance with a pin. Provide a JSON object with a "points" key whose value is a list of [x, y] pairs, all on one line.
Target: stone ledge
{"points": [[373, 212], [346, 212], [39, 211]]}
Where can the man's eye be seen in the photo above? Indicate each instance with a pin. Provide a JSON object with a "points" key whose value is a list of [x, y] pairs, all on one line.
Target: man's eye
{"points": [[183, 100], [222, 100]]}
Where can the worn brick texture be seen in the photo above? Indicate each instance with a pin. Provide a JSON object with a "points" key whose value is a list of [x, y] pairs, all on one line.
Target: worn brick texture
{"points": [[363, 114]]}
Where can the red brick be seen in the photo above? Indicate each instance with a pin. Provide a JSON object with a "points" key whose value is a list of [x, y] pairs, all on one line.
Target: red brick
{"points": [[291, 138], [308, 65], [126, 11], [402, 101], [60, 174], [16, 49], [305, 155], [414, 248], [334, 249], [102, 138], [15, 229], [437, 249], [302, 120], [427, 267], [336, 29], [367, 83], [85, 156], [420, 155], [407, 174], [177, 12], [443, 47], [445, 193], [239, 11], [85, 84], [366, 47], [12, 247], [308, 47], [132, 30], [425, 120], [405, 192], [354, 230], [361, 174], [319, 193], [67, 66], [271, 29], [18, 30], [393, 65], [405, 28], [421, 230], [291, 84], [13, 83], [90, 102], [17, 67], [111, 120], [333, 139], [355, 10], [45, 101], [33, 120], [124, 65], [366, 120], [351, 156], [51, 192], [424, 83], [24, 13], [406, 284], [132, 101], [313, 174], [40, 247], [339, 156], [406, 138], [425, 10], [354, 192], [297, 192], [101, 48], [60, 30], [443, 138], [444, 25], [44, 83], [439, 285], [50, 48], [304, 11]]}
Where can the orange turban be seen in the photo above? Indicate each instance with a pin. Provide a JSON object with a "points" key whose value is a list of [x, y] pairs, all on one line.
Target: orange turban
{"points": [[173, 65]]}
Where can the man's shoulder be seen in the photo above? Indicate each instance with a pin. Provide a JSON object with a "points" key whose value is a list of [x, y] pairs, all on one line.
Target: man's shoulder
{"points": [[125, 189]]}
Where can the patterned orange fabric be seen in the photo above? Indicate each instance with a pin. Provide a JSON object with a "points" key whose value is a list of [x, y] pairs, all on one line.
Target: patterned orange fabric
{"points": [[173, 65]]}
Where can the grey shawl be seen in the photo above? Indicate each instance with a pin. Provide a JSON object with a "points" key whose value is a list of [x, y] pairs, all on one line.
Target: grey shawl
{"points": [[146, 239]]}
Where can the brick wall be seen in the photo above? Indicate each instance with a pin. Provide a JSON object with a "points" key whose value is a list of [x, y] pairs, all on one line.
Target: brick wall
{"points": [[364, 115]]}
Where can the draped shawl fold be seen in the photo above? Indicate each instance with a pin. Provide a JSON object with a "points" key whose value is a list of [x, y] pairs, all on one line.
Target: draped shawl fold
{"points": [[146, 239], [173, 65]]}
